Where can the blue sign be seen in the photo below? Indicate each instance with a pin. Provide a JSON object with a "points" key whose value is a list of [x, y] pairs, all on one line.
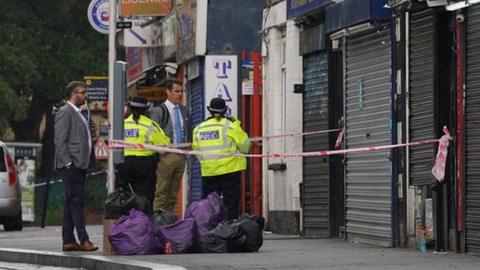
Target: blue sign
{"points": [[297, 8], [97, 88], [98, 15]]}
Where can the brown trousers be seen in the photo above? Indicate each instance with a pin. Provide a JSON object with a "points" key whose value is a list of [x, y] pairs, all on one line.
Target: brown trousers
{"points": [[170, 170]]}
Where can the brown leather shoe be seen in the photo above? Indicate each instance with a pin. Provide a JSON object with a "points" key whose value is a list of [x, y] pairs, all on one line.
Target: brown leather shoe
{"points": [[87, 246], [71, 247]]}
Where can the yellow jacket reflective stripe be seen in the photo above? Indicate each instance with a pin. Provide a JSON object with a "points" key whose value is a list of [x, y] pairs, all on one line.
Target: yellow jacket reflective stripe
{"points": [[220, 136], [145, 131]]}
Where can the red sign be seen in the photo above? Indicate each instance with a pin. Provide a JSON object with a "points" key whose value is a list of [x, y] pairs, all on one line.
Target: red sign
{"points": [[101, 149]]}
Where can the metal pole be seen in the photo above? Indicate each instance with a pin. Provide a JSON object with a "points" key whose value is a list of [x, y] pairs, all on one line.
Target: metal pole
{"points": [[111, 62]]}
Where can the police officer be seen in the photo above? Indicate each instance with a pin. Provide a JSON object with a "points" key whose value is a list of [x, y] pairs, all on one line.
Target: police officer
{"points": [[139, 166], [220, 134]]}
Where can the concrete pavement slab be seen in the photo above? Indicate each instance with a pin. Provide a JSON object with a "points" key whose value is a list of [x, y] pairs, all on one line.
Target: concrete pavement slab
{"points": [[277, 253]]}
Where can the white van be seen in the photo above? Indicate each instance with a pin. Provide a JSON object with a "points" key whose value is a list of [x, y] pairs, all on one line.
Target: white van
{"points": [[10, 192]]}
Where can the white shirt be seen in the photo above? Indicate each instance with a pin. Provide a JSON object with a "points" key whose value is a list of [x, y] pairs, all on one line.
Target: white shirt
{"points": [[85, 121], [170, 107]]}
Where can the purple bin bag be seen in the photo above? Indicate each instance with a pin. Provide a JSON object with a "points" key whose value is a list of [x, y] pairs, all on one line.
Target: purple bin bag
{"points": [[179, 237], [208, 213], [133, 235]]}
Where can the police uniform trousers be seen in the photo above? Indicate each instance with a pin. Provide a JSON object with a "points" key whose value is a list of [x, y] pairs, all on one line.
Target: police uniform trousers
{"points": [[139, 171], [228, 186]]}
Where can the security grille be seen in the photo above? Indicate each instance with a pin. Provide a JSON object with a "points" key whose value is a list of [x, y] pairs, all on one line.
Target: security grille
{"points": [[472, 130], [315, 169], [367, 121], [421, 96]]}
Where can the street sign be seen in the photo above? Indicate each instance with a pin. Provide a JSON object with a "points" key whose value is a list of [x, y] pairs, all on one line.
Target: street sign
{"points": [[101, 149], [124, 25], [98, 15]]}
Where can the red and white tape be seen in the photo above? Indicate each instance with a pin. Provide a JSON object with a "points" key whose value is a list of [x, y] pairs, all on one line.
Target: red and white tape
{"points": [[438, 169], [322, 153], [256, 139]]}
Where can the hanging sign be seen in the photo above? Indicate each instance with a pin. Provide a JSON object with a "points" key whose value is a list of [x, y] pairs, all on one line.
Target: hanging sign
{"points": [[98, 15], [221, 80]]}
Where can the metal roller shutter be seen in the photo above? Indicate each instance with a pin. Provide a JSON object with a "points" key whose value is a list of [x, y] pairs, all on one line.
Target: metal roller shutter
{"points": [[367, 121], [472, 130], [197, 104], [421, 96], [315, 169]]}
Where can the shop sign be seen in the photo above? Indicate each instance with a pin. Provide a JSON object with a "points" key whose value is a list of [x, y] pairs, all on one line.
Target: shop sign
{"points": [[144, 7], [221, 80]]}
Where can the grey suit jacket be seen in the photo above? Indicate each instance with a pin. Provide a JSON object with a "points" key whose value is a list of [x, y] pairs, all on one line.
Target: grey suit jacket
{"points": [[158, 115], [71, 139]]}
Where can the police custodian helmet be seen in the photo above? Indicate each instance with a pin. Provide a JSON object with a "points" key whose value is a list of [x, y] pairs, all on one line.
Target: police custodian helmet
{"points": [[217, 105], [138, 102]]}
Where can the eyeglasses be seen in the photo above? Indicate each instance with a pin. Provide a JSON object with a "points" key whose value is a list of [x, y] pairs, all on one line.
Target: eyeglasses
{"points": [[81, 92]]}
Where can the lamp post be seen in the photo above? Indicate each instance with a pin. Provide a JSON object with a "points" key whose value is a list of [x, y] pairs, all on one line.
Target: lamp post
{"points": [[111, 61], [112, 20]]}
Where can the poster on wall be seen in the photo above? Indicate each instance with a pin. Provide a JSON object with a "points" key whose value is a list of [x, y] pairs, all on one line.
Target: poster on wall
{"points": [[97, 90], [26, 177], [221, 80]]}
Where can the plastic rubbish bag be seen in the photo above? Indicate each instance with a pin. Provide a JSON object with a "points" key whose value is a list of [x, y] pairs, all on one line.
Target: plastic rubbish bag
{"points": [[180, 237], [163, 218], [119, 203], [134, 235], [208, 212], [238, 235]]}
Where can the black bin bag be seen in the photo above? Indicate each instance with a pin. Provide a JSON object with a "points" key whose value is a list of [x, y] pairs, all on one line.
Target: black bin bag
{"points": [[239, 235], [120, 202]]}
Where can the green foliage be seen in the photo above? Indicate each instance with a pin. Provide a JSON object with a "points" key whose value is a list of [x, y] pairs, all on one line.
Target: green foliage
{"points": [[43, 45]]}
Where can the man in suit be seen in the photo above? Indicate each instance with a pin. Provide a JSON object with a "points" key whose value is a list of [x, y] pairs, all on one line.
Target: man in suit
{"points": [[171, 116], [73, 147]]}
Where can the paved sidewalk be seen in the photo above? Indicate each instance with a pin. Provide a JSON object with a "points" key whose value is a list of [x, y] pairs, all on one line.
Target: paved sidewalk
{"points": [[277, 253]]}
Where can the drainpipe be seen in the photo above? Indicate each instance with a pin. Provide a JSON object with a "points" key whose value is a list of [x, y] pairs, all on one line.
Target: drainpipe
{"points": [[459, 34], [394, 152]]}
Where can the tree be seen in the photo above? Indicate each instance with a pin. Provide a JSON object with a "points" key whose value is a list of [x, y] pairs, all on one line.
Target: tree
{"points": [[43, 46]]}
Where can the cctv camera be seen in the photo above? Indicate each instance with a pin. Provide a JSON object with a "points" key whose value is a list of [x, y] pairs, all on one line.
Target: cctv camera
{"points": [[460, 18]]}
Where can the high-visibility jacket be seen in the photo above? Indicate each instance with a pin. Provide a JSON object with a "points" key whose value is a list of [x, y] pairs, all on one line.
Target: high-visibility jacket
{"points": [[146, 131], [224, 136]]}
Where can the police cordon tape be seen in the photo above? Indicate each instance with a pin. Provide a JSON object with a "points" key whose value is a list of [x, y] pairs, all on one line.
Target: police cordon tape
{"points": [[163, 149], [256, 139], [438, 170]]}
